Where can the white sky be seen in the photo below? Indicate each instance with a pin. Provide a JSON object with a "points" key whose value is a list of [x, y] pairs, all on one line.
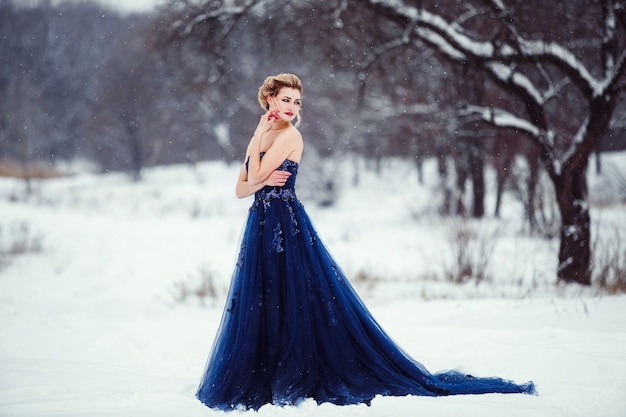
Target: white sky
{"points": [[132, 5], [126, 6]]}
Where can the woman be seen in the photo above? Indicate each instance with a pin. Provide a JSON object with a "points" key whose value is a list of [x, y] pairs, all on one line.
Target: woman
{"points": [[293, 327]]}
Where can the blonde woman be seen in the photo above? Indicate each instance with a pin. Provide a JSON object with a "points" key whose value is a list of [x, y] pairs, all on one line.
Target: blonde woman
{"points": [[293, 328]]}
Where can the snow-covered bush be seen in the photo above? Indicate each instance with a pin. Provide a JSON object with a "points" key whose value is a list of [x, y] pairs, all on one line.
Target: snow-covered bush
{"points": [[471, 250], [202, 287], [17, 239], [609, 263]]}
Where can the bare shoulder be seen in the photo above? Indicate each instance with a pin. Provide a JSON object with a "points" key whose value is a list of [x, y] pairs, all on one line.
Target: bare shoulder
{"points": [[291, 142], [291, 136]]}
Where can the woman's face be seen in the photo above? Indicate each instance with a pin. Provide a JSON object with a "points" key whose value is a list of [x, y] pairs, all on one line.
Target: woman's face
{"points": [[287, 103]]}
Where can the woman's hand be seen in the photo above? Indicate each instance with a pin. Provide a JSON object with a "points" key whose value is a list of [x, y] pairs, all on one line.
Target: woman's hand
{"points": [[265, 124], [277, 178]]}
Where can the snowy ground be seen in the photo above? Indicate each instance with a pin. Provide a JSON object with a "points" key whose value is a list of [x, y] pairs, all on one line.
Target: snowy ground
{"points": [[90, 325]]}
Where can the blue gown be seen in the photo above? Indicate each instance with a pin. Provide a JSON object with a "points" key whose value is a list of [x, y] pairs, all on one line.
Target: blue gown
{"points": [[294, 328]]}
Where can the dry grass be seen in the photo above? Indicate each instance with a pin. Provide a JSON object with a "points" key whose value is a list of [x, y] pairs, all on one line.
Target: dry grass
{"points": [[472, 251], [31, 170], [608, 264], [201, 287], [15, 240]]}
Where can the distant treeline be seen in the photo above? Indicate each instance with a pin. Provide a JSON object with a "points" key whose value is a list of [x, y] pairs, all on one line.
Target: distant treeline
{"points": [[127, 91]]}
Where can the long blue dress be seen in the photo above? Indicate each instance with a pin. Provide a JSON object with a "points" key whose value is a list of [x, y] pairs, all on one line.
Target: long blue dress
{"points": [[294, 328]]}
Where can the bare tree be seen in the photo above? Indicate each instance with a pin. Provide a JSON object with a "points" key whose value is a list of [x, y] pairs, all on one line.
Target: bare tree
{"points": [[20, 127], [544, 76], [53, 52]]}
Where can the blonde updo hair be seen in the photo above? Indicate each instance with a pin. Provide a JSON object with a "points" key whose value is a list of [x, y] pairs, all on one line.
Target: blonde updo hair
{"points": [[272, 85]]}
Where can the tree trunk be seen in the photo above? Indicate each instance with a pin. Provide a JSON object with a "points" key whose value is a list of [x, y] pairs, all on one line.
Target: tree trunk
{"points": [[499, 191], [504, 156], [477, 169], [460, 164], [575, 250], [419, 165], [531, 186], [442, 169], [135, 148]]}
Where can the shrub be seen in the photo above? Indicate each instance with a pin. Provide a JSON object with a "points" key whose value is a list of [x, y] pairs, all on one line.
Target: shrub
{"points": [[202, 288], [31, 170], [471, 250], [608, 264], [15, 240]]}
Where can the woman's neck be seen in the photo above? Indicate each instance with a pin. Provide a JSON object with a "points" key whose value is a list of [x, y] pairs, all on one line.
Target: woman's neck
{"points": [[280, 126]]}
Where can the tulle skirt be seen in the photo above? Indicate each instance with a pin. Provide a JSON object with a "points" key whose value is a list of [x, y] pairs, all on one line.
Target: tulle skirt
{"points": [[294, 328]]}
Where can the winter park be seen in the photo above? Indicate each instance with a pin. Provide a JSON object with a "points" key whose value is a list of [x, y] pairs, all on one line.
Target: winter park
{"points": [[464, 164]]}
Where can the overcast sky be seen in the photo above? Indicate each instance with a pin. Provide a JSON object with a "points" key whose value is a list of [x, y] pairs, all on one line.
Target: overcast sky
{"points": [[131, 5]]}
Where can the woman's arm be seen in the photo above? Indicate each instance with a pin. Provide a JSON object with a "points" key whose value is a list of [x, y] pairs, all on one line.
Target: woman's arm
{"points": [[244, 188]]}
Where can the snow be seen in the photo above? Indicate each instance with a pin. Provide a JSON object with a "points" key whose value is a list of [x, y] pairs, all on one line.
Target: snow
{"points": [[503, 118], [444, 46], [508, 74], [90, 325]]}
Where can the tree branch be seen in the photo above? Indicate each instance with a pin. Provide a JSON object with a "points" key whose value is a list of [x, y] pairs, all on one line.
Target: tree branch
{"points": [[377, 53], [543, 138], [223, 14]]}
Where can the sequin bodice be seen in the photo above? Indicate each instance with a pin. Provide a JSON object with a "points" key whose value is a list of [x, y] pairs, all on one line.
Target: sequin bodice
{"points": [[287, 192]]}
